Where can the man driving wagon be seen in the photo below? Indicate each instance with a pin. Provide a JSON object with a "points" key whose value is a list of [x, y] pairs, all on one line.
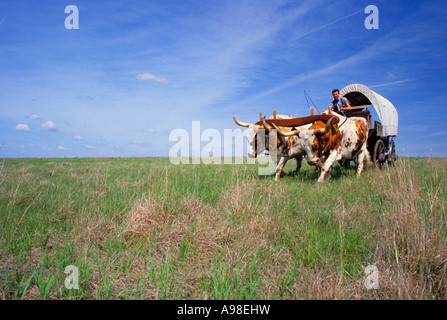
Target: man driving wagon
{"points": [[340, 105]]}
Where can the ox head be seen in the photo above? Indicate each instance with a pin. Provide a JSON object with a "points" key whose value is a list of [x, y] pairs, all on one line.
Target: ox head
{"points": [[256, 137], [315, 140]]}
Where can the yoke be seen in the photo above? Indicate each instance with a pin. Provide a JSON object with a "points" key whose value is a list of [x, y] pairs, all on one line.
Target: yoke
{"points": [[296, 122]]}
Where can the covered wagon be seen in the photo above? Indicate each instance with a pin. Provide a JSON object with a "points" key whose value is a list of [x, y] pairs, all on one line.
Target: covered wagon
{"points": [[382, 133]]}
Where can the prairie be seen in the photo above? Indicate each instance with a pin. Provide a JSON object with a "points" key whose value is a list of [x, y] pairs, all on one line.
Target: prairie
{"points": [[143, 228]]}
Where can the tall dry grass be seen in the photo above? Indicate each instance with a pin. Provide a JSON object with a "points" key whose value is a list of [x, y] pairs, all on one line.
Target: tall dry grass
{"points": [[221, 232], [412, 246], [407, 226]]}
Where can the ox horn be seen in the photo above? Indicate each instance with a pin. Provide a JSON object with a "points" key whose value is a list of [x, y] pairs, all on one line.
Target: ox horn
{"points": [[267, 129], [321, 132], [286, 134], [239, 123]]}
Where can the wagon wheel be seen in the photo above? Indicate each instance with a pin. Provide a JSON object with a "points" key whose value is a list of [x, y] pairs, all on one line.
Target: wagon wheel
{"points": [[379, 155], [392, 156]]}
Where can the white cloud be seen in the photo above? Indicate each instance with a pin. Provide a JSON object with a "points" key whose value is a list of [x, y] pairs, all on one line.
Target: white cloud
{"points": [[88, 146], [23, 127], [151, 77], [390, 76], [63, 148], [150, 130], [49, 126], [77, 137]]}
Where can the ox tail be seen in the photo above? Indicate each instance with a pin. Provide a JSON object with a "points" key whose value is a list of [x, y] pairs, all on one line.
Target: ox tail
{"points": [[366, 155], [367, 159]]}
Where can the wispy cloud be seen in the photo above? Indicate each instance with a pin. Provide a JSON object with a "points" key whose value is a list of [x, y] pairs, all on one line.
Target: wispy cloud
{"points": [[200, 62], [34, 117], [436, 134], [328, 24], [377, 49], [63, 148], [140, 143], [85, 97], [345, 16], [23, 127], [389, 83], [150, 77], [418, 127]]}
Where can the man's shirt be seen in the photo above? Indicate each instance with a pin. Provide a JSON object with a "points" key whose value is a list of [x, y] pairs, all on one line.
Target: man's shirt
{"points": [[337, 104]]}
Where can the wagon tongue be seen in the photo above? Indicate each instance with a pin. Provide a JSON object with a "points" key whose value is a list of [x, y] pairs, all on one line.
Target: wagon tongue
{"points": [[295, 122]]}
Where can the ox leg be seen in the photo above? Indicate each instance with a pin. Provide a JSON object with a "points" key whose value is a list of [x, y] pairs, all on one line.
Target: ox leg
{"points": [[322, 175], [298, 165], [325, 169], [327, 166], [360, 164], [329, 174], [279, 167]]}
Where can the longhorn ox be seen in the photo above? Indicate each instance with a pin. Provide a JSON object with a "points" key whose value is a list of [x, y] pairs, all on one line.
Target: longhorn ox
{"points": [[285, 148], [325, 144]]}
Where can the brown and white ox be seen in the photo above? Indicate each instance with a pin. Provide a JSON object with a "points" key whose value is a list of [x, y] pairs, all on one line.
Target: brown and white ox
{"points": [[280, 148], [327, 143]]}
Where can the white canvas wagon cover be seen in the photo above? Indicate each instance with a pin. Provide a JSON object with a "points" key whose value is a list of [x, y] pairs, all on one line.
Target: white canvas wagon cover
{"points": [[360, 95]]}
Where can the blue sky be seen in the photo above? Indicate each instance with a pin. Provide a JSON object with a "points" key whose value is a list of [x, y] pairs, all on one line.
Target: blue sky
{"points": [[135, 70]]}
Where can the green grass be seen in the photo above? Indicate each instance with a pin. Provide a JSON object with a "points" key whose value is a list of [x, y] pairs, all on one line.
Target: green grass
{"points": [[142, 228]]}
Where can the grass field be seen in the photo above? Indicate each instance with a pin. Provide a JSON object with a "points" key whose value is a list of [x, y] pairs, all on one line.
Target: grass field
{"points": [[142, 228]]}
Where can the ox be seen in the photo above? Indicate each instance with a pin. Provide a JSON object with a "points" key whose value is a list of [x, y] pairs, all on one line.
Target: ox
{"points": [[327, 143], [285, 148]]}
